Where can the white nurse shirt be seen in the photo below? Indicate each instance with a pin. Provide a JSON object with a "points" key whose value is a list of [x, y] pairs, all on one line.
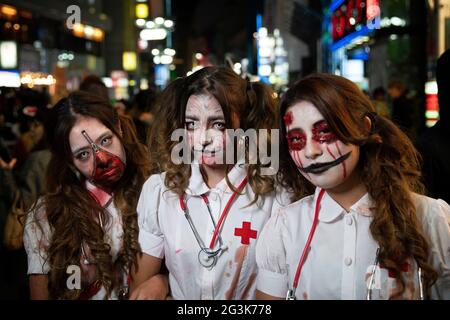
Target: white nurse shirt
{"points": [[165, 233], [343, 251]]}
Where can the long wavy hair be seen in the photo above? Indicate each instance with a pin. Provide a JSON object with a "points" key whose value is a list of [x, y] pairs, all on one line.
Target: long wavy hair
{"points": [[389, 167], [69, 208], [252, 103]]}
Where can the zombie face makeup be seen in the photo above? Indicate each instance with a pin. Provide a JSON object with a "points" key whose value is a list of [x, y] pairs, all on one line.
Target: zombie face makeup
{"points": [[205, 124], [317, 152], [97, 152]]}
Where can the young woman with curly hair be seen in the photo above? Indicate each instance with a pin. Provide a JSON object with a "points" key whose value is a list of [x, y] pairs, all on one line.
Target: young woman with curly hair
{"points": [[87, 220], [365, 233], [204, 217]]}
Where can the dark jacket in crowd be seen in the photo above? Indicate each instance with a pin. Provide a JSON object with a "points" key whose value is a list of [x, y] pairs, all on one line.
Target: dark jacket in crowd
{"points": [[31, 182], [434, 144]]}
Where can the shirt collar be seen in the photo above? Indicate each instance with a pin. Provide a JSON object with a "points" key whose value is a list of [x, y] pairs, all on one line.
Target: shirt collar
{"points": [[363, 205], [102, 197], [330, 210], [197, 185]]}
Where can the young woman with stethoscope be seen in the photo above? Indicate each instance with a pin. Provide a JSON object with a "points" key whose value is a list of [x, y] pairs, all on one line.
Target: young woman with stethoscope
{"points": [[204, 218], [364, 234]]}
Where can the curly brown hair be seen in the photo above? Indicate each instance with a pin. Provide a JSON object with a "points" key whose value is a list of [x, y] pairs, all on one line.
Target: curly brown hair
{"points": [[252, 103], [389, 167], [69, 208]]}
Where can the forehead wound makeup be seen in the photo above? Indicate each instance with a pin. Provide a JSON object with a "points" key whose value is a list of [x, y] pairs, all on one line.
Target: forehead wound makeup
{"points": [[288, 118]]}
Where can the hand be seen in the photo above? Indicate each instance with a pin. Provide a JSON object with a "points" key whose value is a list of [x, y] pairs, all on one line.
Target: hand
{"points": [[7, 166], [155, 288]]}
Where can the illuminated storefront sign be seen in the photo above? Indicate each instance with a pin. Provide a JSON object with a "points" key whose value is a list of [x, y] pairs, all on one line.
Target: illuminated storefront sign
{"points": [[432, 103], [8, 11], [8, 54], [349, 17], [9, 79], [88, 32], [129, 61], [142, 10], [32, 79], [273, 66], [352, 19]]}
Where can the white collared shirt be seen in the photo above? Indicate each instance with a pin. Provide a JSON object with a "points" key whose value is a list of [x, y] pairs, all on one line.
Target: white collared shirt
{"points": [[343, 252], [37, 241], [165, 233]]}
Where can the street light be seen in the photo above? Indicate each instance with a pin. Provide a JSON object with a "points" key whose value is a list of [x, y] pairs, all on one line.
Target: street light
{"points": [[159, 20], [140, 22], [153, 34], [168, 24], [169, 52]]}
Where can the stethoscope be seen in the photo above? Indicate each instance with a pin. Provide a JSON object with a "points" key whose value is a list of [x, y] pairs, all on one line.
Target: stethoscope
{"points": [[291, 292], [372, 279], [207, 256]]}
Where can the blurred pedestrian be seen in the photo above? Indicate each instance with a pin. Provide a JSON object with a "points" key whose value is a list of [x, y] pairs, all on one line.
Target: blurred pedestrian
{"points": [[31, 127], [434, 144], [380, 103], [142, 112], [94, 85], [403, 108], [26, 184]]}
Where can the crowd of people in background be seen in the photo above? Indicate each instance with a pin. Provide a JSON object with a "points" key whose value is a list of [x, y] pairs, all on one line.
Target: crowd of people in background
{"points": [[25, 148]]}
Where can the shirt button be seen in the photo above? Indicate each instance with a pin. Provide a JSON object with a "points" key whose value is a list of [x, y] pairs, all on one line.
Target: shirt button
{"points": [[348, 261], [349, 220]]}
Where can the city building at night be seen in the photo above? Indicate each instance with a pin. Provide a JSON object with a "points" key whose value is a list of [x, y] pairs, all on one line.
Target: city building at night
{"points": [[53, 44], [375, 42]]}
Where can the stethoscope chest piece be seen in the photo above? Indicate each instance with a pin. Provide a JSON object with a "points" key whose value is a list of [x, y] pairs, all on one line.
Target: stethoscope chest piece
{"points": [[290, 295], [206, 260]]}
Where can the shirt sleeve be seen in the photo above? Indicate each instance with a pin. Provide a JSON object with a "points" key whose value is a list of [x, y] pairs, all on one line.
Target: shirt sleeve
{"points": [[282, 199], [151, 237], [272, 276], [435, 216], [36, 239], [437, 228]]}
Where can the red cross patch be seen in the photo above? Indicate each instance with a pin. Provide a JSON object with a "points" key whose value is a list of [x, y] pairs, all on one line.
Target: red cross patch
{"points": [[245, 232]]}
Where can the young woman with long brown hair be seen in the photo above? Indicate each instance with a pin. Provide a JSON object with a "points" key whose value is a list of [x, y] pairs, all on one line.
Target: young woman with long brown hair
{"points": [[86, 224], [204, 217], [366, 232]]}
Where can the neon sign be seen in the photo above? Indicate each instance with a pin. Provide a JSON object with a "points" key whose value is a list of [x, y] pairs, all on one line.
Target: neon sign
{"points": [[351, 16]]}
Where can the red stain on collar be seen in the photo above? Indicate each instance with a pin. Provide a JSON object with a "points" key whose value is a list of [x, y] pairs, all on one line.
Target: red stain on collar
{"points": [[100, 195]]}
